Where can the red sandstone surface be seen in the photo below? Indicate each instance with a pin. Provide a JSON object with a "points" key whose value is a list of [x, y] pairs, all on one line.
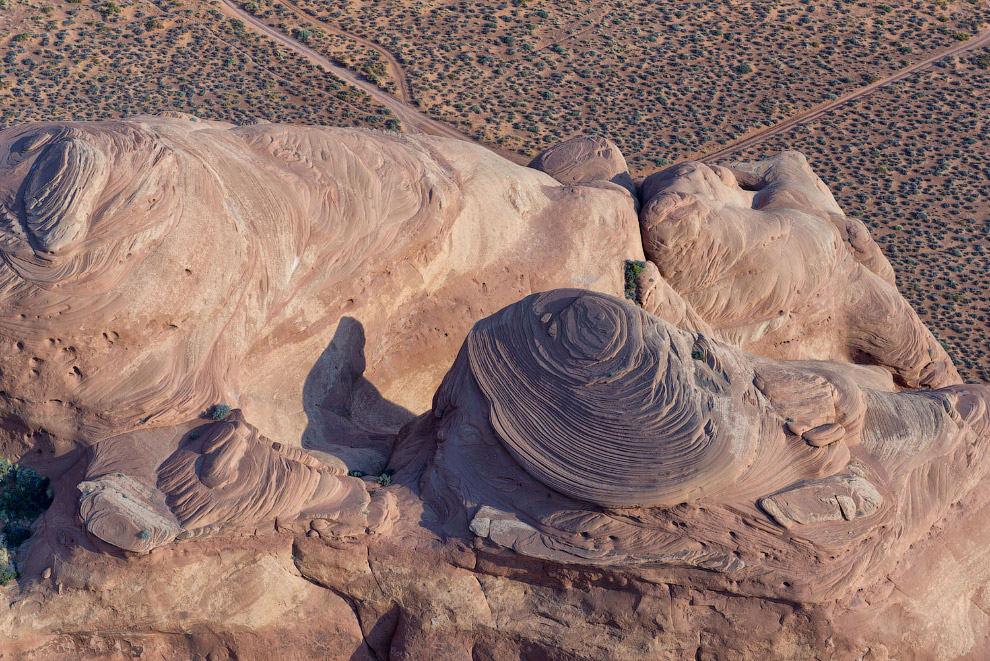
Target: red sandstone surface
{"points": [[479, 410]]}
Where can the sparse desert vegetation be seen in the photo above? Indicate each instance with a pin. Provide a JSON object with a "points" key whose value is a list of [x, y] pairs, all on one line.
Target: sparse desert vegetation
{"points": [[664, 80], [363, 56], [92, 60]]}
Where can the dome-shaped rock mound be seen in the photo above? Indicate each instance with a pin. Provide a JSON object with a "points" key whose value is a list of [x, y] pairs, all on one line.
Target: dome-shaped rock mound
{"points": [[583, 160], [598, 401], [764, 255]]}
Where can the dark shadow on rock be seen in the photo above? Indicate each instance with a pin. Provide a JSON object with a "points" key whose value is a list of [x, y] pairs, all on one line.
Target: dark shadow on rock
{"points": [[379, 639], [346, 415]]}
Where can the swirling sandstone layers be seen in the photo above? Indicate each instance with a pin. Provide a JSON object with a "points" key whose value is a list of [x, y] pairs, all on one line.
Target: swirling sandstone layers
{"points": [[61, 191], [154, 266], [765, 256], [645, 445], [601, 405], [805, 544], [148, 488], [586, 159]]}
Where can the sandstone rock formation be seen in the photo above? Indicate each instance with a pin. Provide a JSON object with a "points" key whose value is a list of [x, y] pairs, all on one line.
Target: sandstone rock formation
{"points": [[644, 444], [586, 159], [150, 487], [155, 266], [764, 255], [763, 455]]}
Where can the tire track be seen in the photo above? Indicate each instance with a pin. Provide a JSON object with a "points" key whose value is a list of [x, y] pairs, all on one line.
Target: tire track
{"points": [[814, 113], [413, 120], [401, 79]]}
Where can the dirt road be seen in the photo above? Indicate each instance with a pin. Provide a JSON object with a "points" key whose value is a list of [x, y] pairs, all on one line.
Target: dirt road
{"points": [[811, 114], [413, 121], [401, 81]]}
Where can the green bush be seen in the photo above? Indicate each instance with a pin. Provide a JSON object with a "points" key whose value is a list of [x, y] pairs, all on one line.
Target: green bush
{"points": [[23, 496], [16, 535], [8, 572], [218, 412], [109, 9], [23, 493], [633, 269]]}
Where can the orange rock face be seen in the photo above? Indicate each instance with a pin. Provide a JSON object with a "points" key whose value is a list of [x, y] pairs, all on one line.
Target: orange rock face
{"points": [[452, 437], [148, 488], [586, 160]]}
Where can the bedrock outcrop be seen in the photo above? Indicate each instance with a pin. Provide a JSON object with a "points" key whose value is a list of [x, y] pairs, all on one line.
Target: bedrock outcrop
{"points": [[471, 410], [631, 443], [317, 277], [763, 254]]}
